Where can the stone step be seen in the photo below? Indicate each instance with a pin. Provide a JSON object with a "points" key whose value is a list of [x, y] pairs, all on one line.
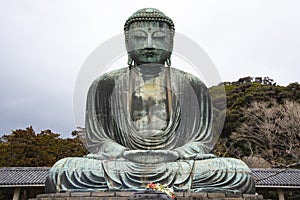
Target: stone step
{"points": [[127, 195]]}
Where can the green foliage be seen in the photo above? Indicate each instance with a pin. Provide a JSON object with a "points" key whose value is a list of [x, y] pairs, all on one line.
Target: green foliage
{"points": [[25, 148]]}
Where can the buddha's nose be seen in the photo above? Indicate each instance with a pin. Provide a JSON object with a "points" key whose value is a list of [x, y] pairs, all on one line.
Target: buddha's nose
{"points": [[149, 43]]}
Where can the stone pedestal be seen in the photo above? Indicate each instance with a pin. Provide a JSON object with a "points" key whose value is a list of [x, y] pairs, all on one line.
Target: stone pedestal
{"points": [[127, 195]]}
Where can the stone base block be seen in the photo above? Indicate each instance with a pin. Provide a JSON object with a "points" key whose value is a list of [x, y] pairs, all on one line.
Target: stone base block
{"points": [[127, 195]]}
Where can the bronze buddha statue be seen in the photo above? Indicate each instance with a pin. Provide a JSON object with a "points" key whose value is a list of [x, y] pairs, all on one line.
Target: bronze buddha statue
{"points": [[149, 122]]}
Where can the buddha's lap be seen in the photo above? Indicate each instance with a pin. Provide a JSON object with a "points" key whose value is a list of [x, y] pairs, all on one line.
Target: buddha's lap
{"points": [[215, 174], [196, 167]]}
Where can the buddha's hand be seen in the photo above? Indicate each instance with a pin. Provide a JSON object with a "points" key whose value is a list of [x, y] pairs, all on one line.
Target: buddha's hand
{"points": [[109, 151], [151, 156]]}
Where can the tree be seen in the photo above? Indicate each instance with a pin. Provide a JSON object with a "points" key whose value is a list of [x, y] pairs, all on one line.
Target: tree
{"points": [[293, 91], [240, 94], [271, 131], [25, 148]]}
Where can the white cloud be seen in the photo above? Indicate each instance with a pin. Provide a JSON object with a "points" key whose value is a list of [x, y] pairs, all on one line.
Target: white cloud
{"points": [[44, 44]]}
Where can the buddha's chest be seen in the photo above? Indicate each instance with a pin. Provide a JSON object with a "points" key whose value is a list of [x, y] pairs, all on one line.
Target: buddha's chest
{"points": [[149, 105]]}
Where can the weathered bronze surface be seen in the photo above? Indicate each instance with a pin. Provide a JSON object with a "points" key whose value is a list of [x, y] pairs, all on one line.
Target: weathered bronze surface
{"points": [[149, 122]]}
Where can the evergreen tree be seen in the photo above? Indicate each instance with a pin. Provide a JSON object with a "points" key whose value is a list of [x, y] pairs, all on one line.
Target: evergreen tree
{"points": [[25, 148]]}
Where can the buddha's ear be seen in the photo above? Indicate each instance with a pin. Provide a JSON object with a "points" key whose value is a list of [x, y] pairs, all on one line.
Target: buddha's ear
{"points": [[168, 61], [171, 43], [128, 47], [130, 60], [127, 41]]}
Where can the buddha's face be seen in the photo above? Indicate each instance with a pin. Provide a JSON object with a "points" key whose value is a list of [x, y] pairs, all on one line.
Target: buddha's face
{"points": [[149, 42]]}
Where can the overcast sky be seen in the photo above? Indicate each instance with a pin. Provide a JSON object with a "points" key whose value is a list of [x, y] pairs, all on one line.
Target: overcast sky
{"points": [[45, 43]]}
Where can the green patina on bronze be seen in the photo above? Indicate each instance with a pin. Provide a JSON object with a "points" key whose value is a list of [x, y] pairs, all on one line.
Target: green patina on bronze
{"points": [[149, 122]]}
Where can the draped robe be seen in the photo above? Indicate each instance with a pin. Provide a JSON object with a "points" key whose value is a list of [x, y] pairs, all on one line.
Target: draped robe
{"points": [[123, 115]]}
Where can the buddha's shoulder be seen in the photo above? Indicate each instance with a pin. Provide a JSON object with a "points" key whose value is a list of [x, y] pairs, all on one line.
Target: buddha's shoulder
{"points": [[179, 72], [112, 75], [186, 75]]}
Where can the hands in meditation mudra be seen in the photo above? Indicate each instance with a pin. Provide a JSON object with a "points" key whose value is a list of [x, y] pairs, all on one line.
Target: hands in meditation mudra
{"points": [[149, 122]]}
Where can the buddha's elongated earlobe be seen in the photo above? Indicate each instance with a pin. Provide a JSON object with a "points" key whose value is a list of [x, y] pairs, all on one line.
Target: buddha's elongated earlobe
{"points": [[168, 61], [130, 61]]}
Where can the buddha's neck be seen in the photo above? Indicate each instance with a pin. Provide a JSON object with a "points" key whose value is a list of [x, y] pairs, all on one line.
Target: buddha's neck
{"points": [[149, 70]]}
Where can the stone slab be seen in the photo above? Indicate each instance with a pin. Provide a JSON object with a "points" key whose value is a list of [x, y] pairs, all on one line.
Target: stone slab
{"points": [[103, 194], [126, 195], [216, 195], [80, 194]]}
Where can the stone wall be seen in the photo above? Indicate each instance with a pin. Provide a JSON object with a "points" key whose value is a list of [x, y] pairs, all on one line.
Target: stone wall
{"points": [[127, 195]]}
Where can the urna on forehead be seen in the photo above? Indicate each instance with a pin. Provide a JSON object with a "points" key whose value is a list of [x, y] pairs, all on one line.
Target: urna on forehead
{"points": [[147, 16]]}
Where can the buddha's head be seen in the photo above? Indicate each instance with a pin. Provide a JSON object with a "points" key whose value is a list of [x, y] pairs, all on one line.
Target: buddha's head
{"points": [[149, 37]]}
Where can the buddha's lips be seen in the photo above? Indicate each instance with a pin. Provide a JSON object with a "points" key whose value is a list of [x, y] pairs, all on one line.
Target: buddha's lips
{"points": [[148, 53]]}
